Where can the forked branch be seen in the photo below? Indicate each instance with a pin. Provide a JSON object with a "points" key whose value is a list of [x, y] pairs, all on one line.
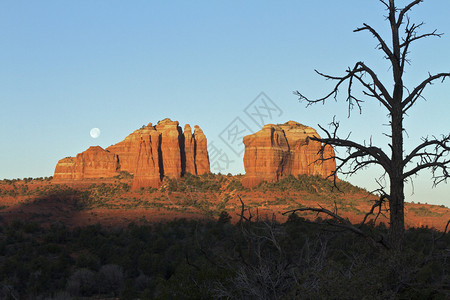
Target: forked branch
{"points": [[409, 101], [382, 44], [431, 154], [374, 88], [403, 12]]}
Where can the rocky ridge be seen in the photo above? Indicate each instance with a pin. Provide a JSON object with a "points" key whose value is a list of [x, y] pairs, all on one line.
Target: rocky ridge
{"points": [[165, 150], [149, 153]]}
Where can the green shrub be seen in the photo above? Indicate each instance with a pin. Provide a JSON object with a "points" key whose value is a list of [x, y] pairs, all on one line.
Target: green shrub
{"points": [[124, 175]]}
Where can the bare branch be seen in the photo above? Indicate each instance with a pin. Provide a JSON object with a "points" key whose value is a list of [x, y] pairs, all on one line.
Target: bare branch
{"points": [[241, 215], [411, 36], [385, 4], [342, 223], [328, 212], [191, 263], [378, 204], [416, 93], [386, 99], [412, 39], [435, 158], [382, 44], [405, 10], [333, 93], [358, 71], [379, 157], [444, 144], [443, 233], [434, 166]]}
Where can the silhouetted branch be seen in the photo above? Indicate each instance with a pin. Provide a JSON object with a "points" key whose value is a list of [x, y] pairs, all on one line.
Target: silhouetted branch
{"points": [[385, 4], [359, 70], [417, 92], [342, 223], [243, 211], [435, 158], [444, 143], [443, 233], [382, 44], [405, 10], [378, 203], [190, 263], [353, 156], [412, 36]]}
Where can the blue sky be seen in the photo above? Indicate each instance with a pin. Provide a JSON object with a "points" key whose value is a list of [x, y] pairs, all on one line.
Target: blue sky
{"points": [[69, 66]]}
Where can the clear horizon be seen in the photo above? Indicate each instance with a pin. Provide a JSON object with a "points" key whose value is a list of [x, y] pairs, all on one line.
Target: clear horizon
{"points": [[70, 67]]}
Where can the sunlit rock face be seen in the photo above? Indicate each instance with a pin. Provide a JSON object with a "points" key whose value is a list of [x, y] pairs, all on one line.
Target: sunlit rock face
{"points": [[171, 147], [201, 153], [128, 150], [277, 151], [65, 169], [95, 162], [149, 153], [148, 170]]}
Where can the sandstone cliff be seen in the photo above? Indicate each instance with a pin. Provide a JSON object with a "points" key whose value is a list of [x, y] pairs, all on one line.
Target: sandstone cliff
{"points": [[172, 147], [128, 149], [65, 169], [189, 150], [201, 152], [148, 170], [281, 150], [95, 162], [149, 153]]}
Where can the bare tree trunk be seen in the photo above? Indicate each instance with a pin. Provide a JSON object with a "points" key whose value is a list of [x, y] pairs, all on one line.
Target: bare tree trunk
{"points": [[397, 217], [397, 197]]}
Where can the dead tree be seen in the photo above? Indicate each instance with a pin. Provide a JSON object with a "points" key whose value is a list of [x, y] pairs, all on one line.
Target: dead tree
{"points": [[432, 153]]}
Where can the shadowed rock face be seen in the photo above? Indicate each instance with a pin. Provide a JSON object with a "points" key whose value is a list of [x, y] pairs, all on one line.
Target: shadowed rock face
{"points": [[149, 153], [189, 150], [281, 150]]}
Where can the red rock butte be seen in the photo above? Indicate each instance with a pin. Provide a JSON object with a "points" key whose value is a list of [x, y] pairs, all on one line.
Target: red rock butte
{"points": [[281, 150], [150, 154]]}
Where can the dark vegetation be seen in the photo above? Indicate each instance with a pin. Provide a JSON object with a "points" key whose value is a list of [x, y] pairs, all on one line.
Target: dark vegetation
{"points": [[27, 179], [217, 260], [309, 183], [203, 183], [185, 259], [124, 175]]}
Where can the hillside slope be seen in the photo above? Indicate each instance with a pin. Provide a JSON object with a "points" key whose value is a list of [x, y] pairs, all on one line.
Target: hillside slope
{"points": [[111, 201]]}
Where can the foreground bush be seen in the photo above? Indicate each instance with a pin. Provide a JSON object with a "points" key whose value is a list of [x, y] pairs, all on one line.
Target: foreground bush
{"points": [[193, 260]]}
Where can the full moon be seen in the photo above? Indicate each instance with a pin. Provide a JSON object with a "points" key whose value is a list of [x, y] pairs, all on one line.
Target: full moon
{"points": [[95, 133]]}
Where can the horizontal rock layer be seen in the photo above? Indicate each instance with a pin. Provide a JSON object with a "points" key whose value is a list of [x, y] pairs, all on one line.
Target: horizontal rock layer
{"points": [[95, 162], [277, 151]]}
